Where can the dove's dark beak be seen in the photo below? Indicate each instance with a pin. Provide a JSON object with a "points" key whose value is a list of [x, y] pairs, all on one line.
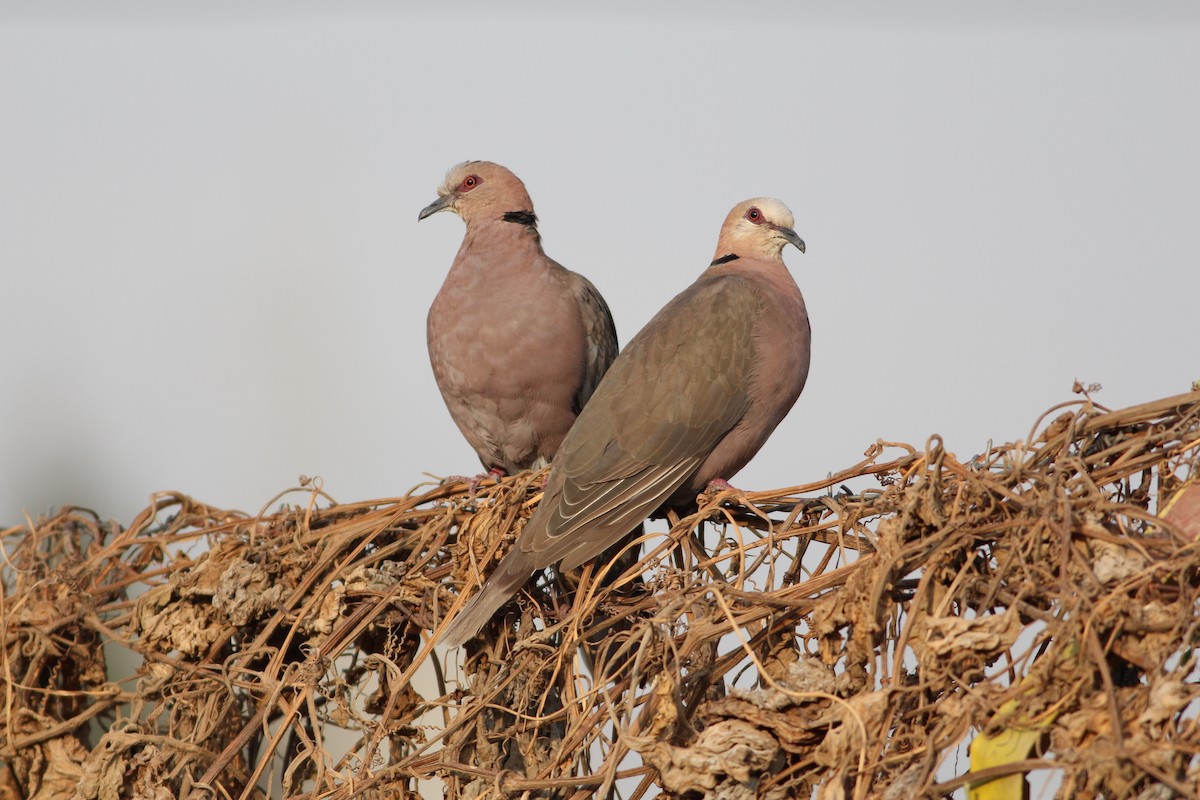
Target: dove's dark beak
{"points": [[791, 236], [441, 204]]}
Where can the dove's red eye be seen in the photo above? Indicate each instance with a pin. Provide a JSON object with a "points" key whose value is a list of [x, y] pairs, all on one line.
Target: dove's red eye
{"points": [[470, 182], [755, 216]]}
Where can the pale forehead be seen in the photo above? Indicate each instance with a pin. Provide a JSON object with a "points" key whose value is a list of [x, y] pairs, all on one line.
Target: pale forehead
{"points": [[774, 210], [459, 171]]}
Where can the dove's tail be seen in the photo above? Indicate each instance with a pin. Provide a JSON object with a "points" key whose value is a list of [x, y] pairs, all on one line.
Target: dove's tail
{"points": [[514, 570]]}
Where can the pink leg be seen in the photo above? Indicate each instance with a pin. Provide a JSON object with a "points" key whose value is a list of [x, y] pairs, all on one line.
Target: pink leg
{"points": [[495, 473]]}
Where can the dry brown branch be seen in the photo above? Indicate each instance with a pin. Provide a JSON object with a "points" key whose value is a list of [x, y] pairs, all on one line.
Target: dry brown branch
{"points": [[772, 644]]}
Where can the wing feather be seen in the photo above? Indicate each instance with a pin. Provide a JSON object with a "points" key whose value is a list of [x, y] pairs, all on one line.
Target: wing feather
{"points": [[666, 401], [600, 333]]}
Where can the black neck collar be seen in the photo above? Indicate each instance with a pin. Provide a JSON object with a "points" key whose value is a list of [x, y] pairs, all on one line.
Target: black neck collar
{"points": [[521, 218]]}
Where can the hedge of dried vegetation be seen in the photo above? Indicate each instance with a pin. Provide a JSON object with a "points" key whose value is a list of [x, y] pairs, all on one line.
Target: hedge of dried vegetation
{"points": [[812, 641]]}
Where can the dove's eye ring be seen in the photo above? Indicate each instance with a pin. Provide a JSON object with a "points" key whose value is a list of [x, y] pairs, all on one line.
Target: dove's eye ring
{"points": [[755, 216], [470, 182]]}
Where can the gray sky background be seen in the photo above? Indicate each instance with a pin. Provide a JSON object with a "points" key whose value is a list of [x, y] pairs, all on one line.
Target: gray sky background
{"points": [[213, 278]]}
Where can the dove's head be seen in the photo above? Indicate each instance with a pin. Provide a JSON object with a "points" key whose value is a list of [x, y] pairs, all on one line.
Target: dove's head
{"points": [[758, 227], [481, 190]]}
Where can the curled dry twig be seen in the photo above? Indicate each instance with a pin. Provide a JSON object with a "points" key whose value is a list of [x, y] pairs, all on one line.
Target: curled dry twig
{"points": [[772, 644]]}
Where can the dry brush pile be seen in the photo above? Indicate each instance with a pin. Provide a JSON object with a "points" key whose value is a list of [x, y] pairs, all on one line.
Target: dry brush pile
{"points": [[814, 640]]}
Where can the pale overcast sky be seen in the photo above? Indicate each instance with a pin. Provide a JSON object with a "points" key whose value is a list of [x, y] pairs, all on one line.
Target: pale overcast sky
{"points": [[213, 278]]}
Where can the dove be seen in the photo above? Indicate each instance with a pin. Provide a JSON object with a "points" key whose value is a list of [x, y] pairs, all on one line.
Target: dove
{"points": [[690, 400], [517, 342]]}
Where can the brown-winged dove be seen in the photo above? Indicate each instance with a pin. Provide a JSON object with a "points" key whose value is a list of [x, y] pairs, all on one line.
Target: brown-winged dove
{"points": [[689, 400], [518, 343]]}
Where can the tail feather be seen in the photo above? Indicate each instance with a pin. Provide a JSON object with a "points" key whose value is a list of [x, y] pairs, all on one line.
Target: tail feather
{"points": [[514, 570]]}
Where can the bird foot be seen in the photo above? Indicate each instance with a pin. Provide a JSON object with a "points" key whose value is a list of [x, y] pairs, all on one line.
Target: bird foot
{"points": [[495, 473], [715, 488], [473, 482]]}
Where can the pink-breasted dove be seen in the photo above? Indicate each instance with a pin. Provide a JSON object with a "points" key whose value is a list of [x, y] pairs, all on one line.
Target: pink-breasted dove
{"points": [[517, 342], [690, 399]]}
